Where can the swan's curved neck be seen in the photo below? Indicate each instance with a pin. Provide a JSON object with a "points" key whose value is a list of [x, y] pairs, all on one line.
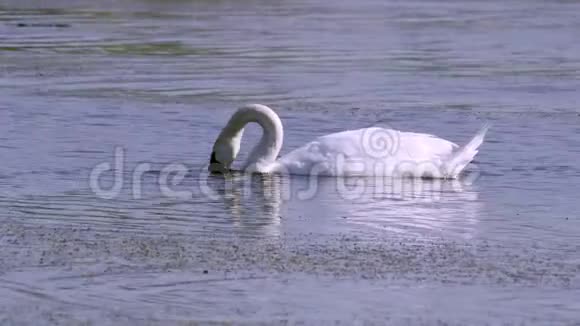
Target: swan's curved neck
{"points": [[266, 151]]}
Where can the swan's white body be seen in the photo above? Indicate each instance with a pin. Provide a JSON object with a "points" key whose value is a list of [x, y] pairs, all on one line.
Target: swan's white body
{"points": [[363, 152]]}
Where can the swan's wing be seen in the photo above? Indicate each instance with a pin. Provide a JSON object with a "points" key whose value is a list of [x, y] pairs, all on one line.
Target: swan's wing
{"points": [[320, 155], [424, 147], [378, 143], [361, 146]]}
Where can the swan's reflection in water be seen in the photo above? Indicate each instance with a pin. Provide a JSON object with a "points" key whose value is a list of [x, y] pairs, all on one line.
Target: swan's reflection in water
{"points": [[410, 206], [268, 203], [252, 200]]}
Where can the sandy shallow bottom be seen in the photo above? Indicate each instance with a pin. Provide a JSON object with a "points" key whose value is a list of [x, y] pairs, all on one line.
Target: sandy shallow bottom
{"points": [[82, 276]]}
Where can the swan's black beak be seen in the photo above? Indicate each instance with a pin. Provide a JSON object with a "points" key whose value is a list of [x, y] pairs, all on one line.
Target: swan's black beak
{"points": [[212, 159], [215, 166]]}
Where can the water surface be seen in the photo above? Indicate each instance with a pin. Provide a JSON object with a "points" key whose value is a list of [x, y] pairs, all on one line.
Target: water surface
{"points": [[158, 79]]}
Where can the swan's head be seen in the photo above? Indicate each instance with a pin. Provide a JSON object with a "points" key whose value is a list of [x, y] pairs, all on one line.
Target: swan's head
{"points": [[225, 150]]}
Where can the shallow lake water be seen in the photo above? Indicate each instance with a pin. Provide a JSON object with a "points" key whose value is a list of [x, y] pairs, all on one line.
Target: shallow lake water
{"points": [[143, 85]]}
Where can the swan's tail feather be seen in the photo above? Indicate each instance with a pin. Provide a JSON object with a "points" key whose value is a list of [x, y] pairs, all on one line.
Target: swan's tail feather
{"points": [[464, 155]]}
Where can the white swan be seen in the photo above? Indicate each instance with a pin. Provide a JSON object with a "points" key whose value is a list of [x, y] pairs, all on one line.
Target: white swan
{"points": [[364, 152]]}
